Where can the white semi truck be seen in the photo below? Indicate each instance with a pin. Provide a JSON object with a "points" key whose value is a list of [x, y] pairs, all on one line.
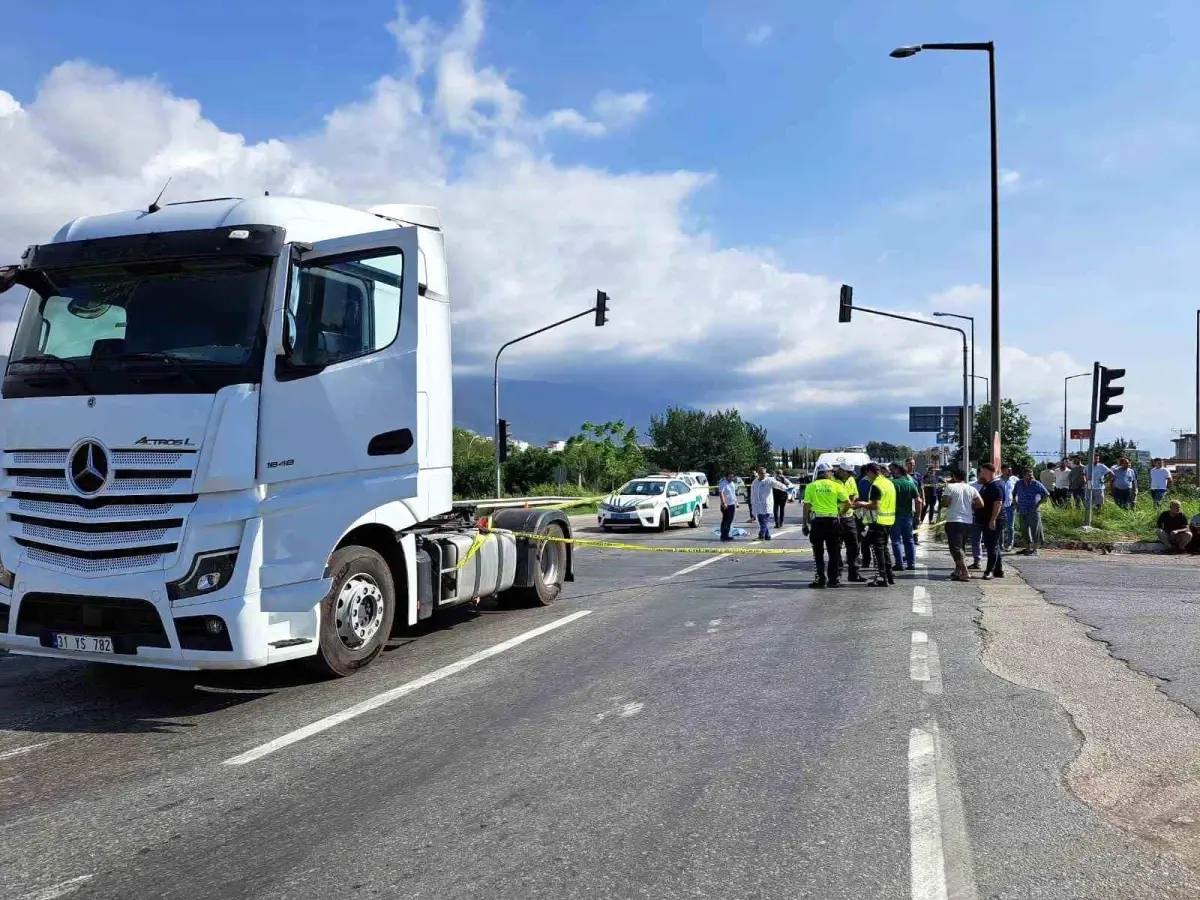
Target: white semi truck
{"points": [[227, 442]]}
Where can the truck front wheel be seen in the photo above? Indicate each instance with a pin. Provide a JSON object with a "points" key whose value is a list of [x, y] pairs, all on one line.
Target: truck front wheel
{"points": [[357, 613]]}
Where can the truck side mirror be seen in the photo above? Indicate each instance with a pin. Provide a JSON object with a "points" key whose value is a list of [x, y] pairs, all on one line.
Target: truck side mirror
{"points": [[8, 277]]}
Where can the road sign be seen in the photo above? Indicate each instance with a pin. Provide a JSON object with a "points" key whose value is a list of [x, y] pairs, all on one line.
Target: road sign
{"points": [[560, 475], [951, 416], [1080, 434], [925, 418], [945, 438]]}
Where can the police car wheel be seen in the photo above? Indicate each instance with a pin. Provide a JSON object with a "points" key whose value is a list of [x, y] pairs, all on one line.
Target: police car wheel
{"points": [[695, 520], [664, 521]]}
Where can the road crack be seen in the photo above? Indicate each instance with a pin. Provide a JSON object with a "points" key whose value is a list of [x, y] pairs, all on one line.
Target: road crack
{"points": [[1138, 756]]}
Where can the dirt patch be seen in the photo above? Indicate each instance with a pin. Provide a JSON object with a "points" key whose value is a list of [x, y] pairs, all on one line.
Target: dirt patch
{"points": [[1139, 762]]}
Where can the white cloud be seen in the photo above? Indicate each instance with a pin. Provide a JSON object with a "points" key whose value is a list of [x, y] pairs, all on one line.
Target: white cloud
{"points": [[529, 237], [758, 35], [959, 297]]}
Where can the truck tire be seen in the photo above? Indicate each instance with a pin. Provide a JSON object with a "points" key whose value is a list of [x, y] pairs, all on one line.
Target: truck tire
{"points": [[664, 521], [548, 573], [694, 522], [357, 613]]}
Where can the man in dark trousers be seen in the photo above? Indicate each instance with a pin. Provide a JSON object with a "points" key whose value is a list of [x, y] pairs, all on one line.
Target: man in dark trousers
{"points": [[864, 491], [849, 522], [779, 497], [824, 502], [990, 519], [727, 491], [880, 512]]}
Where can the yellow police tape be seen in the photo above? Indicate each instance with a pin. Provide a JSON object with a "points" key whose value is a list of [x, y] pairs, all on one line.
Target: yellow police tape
{"points": [[722, 550]]}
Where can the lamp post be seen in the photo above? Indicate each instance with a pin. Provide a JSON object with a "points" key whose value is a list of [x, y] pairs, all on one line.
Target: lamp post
{"points": [[1067, 379], [971, 319], [988, 47], [1197, 442]]}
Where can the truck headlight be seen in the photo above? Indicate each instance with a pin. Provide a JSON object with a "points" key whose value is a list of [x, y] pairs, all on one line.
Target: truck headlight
{"points": [[6, 577], [210, 570]]}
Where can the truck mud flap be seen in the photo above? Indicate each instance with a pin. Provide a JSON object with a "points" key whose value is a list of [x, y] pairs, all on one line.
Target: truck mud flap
{"points": [[531, 521]]}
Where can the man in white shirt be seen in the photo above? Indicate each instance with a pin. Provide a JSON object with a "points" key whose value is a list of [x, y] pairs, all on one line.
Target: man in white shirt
{"points": [[1160, 481], [1062, 484], [727, 491], [960, 502], [1047, 478], [762, 501], [1099, 473]]}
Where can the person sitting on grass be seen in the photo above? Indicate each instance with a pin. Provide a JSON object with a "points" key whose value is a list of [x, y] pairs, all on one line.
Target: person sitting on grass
{"points": [[1194, 527], [1173, 528]]}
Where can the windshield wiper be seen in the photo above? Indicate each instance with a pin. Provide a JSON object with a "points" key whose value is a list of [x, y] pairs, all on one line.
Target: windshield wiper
{"points": [[71, 368], [176, 363]]}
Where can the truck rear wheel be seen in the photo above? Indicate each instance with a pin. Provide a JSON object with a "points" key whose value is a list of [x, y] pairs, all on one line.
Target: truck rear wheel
{"points": [[549, 570], [357, 613]]}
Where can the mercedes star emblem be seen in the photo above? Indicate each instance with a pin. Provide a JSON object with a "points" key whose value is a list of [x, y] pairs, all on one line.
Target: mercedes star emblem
{"points": [[87, 469]]}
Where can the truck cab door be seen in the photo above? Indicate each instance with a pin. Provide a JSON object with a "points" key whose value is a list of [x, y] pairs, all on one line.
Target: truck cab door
{"points": [[339, 390]]}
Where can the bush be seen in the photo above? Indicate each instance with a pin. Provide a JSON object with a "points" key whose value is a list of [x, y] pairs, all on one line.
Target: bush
{"points": [[1111, 522]]}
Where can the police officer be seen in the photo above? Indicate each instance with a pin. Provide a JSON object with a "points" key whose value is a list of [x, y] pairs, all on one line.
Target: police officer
{"points": [[879, 512], [849, 523], [824, 502]]}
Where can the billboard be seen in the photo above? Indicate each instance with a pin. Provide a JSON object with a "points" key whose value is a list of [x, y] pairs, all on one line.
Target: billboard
{"points": [[925, 418]]}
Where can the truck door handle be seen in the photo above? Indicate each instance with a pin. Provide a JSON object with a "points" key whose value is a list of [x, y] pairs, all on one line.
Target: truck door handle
{"points": [[390, 443]]}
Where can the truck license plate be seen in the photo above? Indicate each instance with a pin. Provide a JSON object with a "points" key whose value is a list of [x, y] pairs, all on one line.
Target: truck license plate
{"points": [[84, 643]]}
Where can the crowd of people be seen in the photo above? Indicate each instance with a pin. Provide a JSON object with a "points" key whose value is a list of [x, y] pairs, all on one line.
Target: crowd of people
{"points": [[875, 515]]}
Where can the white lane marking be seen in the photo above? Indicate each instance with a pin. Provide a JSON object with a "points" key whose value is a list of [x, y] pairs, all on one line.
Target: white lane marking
{"points": [[918, 657], [58, 890], [630, 709], [934, 685], [21, 751], [693, 568], [396, 693], [927, 864], [714, 621], [921, 605], [689, 624]]}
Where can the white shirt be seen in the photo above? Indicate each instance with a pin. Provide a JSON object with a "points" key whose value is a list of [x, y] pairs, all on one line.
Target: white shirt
{"points": [[1062, 479], [962, 502], [761, 502], [1098, 474], [1159, 478], [1047, 478], [728, 492]]}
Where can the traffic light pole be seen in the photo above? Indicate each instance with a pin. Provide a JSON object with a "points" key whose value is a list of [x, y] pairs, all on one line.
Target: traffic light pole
{"points": [[1091, 460], [968, 414], [598, 309]]}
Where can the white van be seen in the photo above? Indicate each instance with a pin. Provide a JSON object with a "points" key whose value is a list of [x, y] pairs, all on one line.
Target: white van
{"points": [[702, 487], [855, 459]]}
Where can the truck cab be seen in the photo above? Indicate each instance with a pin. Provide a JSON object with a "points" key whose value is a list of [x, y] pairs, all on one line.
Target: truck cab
{"points": [[226, 435]]}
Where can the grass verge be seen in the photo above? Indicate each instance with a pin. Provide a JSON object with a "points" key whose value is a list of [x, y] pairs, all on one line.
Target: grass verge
{"points": [[1109, 523]]}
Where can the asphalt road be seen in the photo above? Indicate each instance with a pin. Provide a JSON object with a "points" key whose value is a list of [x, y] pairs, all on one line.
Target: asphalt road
{"points": [[707, 729]]}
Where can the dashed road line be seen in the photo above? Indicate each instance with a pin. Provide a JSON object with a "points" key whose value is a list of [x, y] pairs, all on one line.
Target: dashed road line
{"points": [[21, 751], [927, 863], [921, 604], [918, 657], [693, 568], [396, 693]]}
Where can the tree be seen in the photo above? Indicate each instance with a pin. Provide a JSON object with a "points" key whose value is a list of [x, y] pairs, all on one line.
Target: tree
{"points": [[763, 454], [712, 443], [1014, 437], [603, 457], [474, 465], [530, 467], [887, 451], [1109, 453]]}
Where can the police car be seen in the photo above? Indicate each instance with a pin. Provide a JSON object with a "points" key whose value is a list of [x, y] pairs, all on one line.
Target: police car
{"points": [[656, 501]]}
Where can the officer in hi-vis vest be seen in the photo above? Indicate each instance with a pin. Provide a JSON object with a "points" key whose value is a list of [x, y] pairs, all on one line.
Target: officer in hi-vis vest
{"points": [[879, 512], [824, 502], [844, 472]]}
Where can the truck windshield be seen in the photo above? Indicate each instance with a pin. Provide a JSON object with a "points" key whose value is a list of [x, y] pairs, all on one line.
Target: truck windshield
{"points": [[177, 326]]}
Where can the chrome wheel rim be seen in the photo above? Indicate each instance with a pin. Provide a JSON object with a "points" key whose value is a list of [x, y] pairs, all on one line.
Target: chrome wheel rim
{"points": [[358, 611]]}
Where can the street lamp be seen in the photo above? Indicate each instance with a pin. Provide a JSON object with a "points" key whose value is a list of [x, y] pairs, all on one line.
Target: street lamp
{"points": [[982, 378], [1065, 380], [971, 319], [990, 48]]}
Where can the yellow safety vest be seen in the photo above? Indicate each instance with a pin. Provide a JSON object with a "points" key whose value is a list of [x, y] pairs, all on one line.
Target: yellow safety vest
{"points": [[850, 489], [886, 514], [825, 497]]}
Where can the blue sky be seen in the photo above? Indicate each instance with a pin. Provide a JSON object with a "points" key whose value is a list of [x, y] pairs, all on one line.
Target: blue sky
{"points": [[812, 152]]}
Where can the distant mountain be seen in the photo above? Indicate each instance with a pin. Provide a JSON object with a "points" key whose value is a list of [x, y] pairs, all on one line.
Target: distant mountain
{"points": [[540, 411]]}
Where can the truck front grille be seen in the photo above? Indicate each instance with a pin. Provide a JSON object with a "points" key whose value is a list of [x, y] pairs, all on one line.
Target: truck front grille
{"points": [[133, 523], [130, 623]]}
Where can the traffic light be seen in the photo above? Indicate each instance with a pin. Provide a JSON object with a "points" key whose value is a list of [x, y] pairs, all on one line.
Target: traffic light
{"points": [[846, 303], [502, 433], [1107, 392], [601, 308]]}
